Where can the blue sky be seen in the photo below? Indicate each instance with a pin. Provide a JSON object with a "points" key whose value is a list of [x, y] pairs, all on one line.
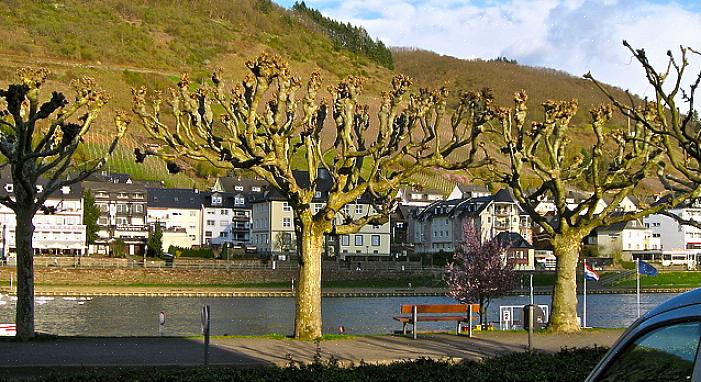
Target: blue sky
{"points": [[571, 35]]}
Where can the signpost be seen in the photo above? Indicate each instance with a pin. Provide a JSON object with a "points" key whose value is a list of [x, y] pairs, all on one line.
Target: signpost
{"points": [[161, 322], [204, 316]]}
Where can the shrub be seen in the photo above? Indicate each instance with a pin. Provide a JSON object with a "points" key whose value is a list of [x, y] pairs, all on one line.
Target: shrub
{"points": [[203, 253], [567, 365]]}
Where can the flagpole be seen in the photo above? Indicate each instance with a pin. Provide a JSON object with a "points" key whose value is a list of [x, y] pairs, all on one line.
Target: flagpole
{"points": [[637, 284], [585, 295]]}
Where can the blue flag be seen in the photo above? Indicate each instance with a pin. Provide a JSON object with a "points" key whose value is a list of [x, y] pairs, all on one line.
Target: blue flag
{"points": [[646, 269]]}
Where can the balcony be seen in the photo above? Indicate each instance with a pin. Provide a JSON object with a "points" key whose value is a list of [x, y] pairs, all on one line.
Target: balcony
{"points": [[503, 211], [131, 228]]}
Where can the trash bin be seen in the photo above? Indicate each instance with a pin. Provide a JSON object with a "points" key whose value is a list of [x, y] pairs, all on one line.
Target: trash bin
{"points": [[168, 259], [538, 317]]}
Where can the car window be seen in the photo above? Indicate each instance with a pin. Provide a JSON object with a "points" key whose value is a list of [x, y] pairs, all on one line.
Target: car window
{"points": [[663, 354]]}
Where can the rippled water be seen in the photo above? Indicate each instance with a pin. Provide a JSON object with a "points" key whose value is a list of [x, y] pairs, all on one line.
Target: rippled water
{"points": [[138, 316]]}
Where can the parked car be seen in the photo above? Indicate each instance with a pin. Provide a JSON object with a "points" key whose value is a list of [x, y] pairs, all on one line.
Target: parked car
{"points": [[662, 345]]}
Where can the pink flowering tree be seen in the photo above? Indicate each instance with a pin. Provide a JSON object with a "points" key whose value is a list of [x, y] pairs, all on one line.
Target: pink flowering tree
{"points": [[479, 271]]}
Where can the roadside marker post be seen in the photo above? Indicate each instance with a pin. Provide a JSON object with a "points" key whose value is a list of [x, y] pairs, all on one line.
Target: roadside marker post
{"points": [[161, 322], [205, 332]]}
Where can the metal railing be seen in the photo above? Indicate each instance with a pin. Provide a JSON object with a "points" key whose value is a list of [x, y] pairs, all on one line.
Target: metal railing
{"points": [[190, 264]]}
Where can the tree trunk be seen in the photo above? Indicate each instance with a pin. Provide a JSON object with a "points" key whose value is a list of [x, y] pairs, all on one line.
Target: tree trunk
{"points": [[25, 276], [563, 317], [308, 305], [483, 313]]}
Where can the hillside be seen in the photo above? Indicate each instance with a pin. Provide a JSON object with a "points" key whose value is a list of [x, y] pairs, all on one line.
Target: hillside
{"points": [[430, 69], [125, 44]]}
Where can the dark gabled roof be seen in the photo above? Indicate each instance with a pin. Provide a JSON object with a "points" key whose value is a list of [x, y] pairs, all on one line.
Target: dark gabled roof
{"points": [[324, 183], [403, 212], [113, 187], [504, 196], [512, 240], [437, 208], [184, 198], [75, 191], [229, 184], [472, 206], [106, 176], [228, 199]]}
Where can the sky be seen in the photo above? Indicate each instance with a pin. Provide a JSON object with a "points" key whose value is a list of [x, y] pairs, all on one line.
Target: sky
{"points": [[576, 36]]}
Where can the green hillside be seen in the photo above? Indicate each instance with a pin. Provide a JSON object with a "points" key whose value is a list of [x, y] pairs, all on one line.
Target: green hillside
{"points": [[125, 44]]}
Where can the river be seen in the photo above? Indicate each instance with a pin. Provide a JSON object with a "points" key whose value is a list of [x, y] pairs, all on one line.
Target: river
{"points": [[139, 316]]}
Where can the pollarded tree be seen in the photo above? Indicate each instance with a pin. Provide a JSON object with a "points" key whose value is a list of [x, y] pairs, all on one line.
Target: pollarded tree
{"points": [[672, 116], [259, 129], [480, 271], [38, 139], [615, 164]]}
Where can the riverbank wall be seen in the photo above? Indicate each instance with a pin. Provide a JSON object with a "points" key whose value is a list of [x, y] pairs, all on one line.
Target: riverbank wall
{"points": [[204, 277]]}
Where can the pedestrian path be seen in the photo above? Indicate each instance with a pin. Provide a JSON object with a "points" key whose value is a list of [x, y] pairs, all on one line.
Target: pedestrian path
{"points": [[48, 354]]}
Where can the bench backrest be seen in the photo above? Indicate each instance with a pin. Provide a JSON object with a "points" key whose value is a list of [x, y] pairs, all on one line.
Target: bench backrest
{"points": [[440, 308]]}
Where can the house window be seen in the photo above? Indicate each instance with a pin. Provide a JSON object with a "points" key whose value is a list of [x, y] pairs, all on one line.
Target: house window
{"points": [[102, 194], [239, 200], [209, 212], [139, 208], [286, 222], [9, 187], [358, 240], [317, 194], [223, 234], [210, 222], [238, 188], [286, 207], [138, 195], [345, 240], [216, 199], [102, 221], [375, 240], [207, 233], [317, 207], [122, 221], [358, 208], [104, 207], [123, 195], [224, 212], [193, 213], [255, 189], [122, 208]]}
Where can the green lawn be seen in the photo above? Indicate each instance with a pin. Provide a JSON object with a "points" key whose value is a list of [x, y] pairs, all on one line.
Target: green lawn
{"points": [[666, 280]]}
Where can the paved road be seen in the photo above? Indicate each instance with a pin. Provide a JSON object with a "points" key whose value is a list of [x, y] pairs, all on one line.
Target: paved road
{"points": [[45, 355]]}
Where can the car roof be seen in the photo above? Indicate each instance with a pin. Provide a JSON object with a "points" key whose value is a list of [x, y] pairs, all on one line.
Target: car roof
{"points": [[692, 297]]}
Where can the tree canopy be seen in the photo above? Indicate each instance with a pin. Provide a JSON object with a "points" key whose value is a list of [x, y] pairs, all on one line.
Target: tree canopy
{"points": [[479, 271]]}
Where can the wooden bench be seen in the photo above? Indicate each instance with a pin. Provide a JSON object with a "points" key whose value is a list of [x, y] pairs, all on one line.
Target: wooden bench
{"points": [[460, 313]]}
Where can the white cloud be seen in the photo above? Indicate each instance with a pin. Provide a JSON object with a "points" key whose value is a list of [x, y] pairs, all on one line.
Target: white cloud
{"points": [[571, 35]]}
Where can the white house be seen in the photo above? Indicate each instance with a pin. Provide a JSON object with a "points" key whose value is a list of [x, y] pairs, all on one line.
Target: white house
{"points": [[177, 209], [273, 225], [59, 233], [467, 191]]}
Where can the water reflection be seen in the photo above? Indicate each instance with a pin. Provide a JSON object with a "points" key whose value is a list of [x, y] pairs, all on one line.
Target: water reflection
{"points": [[138, 316]]}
